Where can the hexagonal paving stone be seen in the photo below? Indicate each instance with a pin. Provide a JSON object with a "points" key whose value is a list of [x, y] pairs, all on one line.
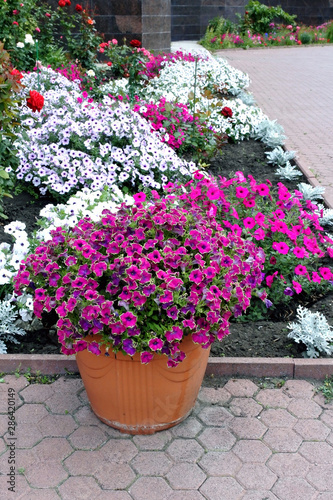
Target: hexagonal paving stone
{"points": [[217, 438], [83, 463], [327, 418], [293, 488], [304, 408], [282, 439], [312, 430], [277, 417], [84, 488], [151, 463], [317, 453], [272, 398], [185, 476], [218, 488], [87, 438], [241, 388], [321, 477], [27, 435], [214, 395], [299, 389], [189, 428], [186, 495], [259, 495], [57, 425], [46, 475], [119, 451], [68, 385], [52, 449], [244, 407], [30, 413], [85, 416], [247, 428], [154, 442], [185, 450], [3, 424], [114, 476], [256, 477], [215, 415], [63, 402], [113, 495], [37, 393], [220, 464], [251, 451], [150, 487], [25, 492], [288, 465], [325, 496]]}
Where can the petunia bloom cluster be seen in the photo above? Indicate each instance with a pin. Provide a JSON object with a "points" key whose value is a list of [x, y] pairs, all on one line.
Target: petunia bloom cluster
{"points": [[142, 279], [287, 226]]}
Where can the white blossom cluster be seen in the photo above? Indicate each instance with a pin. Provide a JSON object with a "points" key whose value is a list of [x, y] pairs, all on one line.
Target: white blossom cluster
{"points": [[72, 144]]}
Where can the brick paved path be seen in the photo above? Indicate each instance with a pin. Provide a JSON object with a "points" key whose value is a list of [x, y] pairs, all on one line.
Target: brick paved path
{"points": [[295, 87], [243, 441]]}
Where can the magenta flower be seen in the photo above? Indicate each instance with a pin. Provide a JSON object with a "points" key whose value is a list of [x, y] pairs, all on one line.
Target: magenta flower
{"points": [[315, 277], [155, 256], [262, 189], [94, 348], [204, 247], [300, 270], [299, 252], [249, 222], [91, 295], [174, 283], [128, 319], [134, 272], [139, 197], [138, 299], [326, 273], [281, 247], [98, 268], [146, 357], [79, 283], [213, 193], [155, 344], [196, 276], [173, 312], [241, 192], [297, 287], [128, 347]]}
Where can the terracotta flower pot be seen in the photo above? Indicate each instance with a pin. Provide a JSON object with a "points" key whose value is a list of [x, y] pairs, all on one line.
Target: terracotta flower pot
{"points": [[142, 399]]}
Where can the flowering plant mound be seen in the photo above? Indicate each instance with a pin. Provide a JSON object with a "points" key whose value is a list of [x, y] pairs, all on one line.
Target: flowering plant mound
{"points": [[178, 127], [142, 279], [287, 226]]}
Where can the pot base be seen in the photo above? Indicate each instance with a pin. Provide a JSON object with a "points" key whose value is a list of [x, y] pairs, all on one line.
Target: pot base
{"points": [[139, 429]]}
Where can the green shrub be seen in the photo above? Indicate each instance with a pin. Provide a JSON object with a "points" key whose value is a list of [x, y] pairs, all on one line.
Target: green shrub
{"points": [[9, 85], [259, 18], [305, 38], [329, 32]]}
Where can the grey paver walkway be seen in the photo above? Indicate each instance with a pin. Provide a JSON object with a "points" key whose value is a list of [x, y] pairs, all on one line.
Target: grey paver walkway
{"points": [[295, 86], [244, 441]]}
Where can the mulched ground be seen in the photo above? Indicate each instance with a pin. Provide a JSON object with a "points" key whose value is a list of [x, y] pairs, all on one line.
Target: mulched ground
{"points": [[253, 339]]}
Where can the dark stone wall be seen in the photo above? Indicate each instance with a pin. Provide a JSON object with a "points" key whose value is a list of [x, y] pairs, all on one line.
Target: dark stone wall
{"points": [[190, 17], [158, 22]]}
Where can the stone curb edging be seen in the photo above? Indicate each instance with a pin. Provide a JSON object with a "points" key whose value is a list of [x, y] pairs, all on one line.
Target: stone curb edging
{"points": [[51, 364]]}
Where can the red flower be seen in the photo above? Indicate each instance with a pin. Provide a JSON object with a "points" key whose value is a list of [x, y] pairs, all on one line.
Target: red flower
{"points": [[15, 22], [78, 7], [68, 2], [62, 3], [18, 76], [47, 14], [35, 101], [109, 63], [227, 112], [135, 43]]}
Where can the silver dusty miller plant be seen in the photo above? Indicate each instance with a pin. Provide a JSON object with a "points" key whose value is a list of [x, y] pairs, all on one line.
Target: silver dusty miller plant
{"points": [[8, 329], [311, 193], [279, 157], [270, 133], [289, 172], [313, 331]]}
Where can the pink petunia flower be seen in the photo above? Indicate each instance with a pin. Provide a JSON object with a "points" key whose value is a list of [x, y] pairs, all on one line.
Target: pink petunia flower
{"points": [[155, 344], [128, 319]]}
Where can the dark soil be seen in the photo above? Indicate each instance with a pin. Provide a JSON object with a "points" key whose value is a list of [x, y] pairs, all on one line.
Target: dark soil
{"points": [[253, 339]]}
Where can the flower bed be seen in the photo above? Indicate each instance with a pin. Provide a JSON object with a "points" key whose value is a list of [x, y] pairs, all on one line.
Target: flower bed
{"points": [[112, 140]]}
